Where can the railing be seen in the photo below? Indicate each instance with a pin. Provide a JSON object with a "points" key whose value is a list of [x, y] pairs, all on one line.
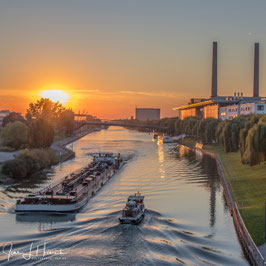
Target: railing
{"points": [[246, 240]]}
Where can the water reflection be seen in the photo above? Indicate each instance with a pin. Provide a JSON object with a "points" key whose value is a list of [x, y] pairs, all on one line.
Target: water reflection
{"points": [[161, 158], [45, 220], [207, 167]]}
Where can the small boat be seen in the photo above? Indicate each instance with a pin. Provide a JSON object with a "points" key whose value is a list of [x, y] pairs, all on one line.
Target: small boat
{"points": [[134, 211], [155, 135], [165, 139], [177, 138]]}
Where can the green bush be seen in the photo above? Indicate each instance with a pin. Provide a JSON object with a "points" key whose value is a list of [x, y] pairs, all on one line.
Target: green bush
{"points": [[29, 162], [14, 134], [13, 117]]}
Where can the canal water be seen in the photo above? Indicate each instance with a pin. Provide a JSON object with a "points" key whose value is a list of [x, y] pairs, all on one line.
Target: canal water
{"points": [[187, 221]]}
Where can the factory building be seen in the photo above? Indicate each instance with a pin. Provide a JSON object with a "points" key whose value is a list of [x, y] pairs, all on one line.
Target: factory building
{"points": [[147, 114], [232, 111], [210, 107]]}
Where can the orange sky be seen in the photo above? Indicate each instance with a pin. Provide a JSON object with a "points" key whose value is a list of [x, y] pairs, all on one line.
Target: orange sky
{"points": [[111, 58]]}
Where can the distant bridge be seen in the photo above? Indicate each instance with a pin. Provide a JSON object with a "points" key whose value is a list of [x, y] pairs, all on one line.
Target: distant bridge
{"points": [[119, 124]]}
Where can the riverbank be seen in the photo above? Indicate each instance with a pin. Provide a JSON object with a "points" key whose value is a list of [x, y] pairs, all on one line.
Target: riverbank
{"points": [[247, 185], [64, 153]]}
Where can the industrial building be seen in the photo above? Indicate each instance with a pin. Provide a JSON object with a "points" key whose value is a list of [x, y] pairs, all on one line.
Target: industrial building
{"points": [[232, 111], [147, 114], [211, 107]]}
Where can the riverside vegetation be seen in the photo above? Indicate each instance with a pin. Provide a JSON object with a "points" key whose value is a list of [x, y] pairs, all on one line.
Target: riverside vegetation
{"points": [[246, 134], [45, 121]]}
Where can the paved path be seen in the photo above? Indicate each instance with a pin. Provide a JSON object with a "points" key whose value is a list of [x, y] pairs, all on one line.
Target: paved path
{"points": [[59, 146], [262, 250], [5, 156]]}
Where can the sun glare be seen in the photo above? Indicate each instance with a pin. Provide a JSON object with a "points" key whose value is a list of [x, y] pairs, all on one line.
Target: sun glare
{"points": [[55, 95]]}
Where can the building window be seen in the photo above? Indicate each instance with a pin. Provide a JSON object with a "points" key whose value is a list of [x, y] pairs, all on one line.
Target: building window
{"points": [[260, 107]]}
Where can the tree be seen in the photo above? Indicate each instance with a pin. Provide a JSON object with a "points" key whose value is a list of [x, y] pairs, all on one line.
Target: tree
{"points": [[178, 126], [188, 125], [67, 121], [255, 143], [44, 108], [231, 133], [170, 123], [12, 117], [40, 134], [210, 129], [253, 119], [206, 130], [219, 132], [14, 134]]}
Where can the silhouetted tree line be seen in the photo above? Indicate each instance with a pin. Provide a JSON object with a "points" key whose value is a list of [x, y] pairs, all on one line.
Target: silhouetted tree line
{"points": [[246, 134], [43, 119]]}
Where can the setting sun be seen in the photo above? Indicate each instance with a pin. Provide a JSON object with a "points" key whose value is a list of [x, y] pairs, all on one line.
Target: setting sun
{"points": [[55, 95]]}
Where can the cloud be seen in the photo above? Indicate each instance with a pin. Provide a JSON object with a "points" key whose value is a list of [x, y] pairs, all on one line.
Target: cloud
{"points": [[154, 94], [84, 90]]}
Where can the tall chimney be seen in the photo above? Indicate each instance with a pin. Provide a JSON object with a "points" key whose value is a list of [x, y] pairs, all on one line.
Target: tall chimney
{"points": [[214, 69], [256, 70]]}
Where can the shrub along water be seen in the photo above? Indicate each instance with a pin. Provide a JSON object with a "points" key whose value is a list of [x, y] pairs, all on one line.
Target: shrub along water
{"points": [[14, 135], [29, 162]]}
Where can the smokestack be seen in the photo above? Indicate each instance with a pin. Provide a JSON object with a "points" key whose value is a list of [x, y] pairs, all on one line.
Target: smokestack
{"points": [[256, 70], [214, 69]]}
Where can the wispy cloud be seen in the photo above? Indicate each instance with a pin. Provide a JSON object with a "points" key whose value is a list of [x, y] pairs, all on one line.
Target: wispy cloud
{"points": [[153, 94], [127, 93], [85, 90]]}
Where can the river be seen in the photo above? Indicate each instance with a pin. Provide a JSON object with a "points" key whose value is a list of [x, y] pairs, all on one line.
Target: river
{"points": [[187, 219]]}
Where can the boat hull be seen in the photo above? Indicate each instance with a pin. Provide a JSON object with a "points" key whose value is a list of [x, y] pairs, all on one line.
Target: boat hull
{"points": [[51, 208], [137, 220]]}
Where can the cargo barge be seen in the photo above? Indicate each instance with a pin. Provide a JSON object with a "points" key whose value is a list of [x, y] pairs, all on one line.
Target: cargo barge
{"points": [[74, 191]]}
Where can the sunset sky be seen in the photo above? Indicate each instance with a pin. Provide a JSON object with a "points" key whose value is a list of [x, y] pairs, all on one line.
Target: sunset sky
{"points": [[110, 56]]}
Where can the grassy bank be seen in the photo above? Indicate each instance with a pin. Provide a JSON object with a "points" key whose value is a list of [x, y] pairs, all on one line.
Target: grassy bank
{"points": [[248, 187]]}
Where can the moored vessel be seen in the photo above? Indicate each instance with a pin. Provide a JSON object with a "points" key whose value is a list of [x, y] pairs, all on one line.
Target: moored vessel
{"points": [[165, 139], [134, 211], [75, 190], [155, 135]]}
